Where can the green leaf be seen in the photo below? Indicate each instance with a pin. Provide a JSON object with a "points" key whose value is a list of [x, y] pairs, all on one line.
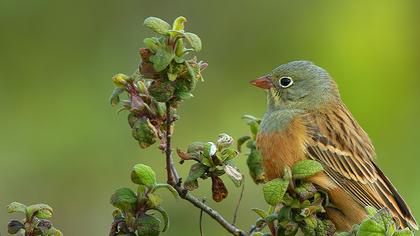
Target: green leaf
{"points": [[274, 191], [153, 200], [209, 149], [371, 211], [194, 41], [144, 175], [253, 123], [42, 211], [16, 207], [164, 216], [162, 91], [147, 225], [53, 232], [161, 59], [196, 149], [144, 132], [114, 99], [124, 199], [306, 168], [404, 232], [196, 171], [184, 87], [157, 25], [241, 141], [370, 228], [255, 166], [152, 44], [194, 73], [172, 77], [228, 154], [261, 213], [233, 174], [179, 23]]}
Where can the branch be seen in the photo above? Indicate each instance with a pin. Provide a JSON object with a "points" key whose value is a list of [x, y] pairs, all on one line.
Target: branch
{"points": [[174, 180]]}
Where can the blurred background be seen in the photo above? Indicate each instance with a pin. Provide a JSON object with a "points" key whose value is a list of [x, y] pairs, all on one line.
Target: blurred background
{"points": [[63, 144]]}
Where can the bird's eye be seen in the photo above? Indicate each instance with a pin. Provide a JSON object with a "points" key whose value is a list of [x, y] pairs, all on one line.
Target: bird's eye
{"points": [[285, 82]]}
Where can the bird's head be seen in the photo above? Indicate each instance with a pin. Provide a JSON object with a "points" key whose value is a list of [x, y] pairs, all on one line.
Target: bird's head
{"points": [[298, 85]]}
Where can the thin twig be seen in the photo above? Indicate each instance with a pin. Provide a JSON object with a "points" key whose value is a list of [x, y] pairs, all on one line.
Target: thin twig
{"points": [[173, 179], [201, 220], [235, 215], [172, 175]]}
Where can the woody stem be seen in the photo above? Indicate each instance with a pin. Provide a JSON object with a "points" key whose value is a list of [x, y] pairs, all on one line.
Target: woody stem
{"points": [[174, 180]]}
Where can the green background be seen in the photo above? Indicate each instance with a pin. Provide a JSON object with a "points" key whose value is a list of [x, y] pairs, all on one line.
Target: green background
{"points": [[63, 144]]}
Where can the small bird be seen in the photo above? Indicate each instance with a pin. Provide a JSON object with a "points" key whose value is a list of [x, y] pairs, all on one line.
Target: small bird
{"points": [[306, 119]]}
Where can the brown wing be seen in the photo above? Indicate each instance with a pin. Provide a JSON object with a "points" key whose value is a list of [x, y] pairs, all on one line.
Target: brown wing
{"points": [[347, 154]]}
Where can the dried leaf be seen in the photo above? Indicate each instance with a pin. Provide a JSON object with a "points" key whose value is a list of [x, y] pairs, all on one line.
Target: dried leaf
{"points": [[218, 189]]}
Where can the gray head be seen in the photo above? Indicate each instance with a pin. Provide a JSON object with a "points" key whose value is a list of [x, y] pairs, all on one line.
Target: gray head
{"points": [[298, 85]]}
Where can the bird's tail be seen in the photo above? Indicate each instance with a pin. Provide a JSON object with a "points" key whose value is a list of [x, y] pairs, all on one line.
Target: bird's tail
{"points": [[394, 202]]}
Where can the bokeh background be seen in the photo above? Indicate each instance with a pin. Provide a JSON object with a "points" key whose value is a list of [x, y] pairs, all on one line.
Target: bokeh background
{"points": [[63, 144]]}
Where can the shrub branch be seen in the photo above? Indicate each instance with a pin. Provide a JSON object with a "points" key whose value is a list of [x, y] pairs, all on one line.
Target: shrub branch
{"points": [[174, 180]]}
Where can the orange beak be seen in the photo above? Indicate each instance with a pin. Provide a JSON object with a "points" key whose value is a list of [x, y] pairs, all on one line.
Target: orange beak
{"points": [[262, 82]]}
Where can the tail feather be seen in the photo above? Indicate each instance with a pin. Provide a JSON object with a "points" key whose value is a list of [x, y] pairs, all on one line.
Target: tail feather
{"points": [[394, 202]]}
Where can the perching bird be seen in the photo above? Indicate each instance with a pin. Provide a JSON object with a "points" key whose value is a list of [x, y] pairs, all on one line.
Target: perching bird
{"points": [[306, 119]]}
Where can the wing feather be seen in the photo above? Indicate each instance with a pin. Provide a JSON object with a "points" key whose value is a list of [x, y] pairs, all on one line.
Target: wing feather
{"points": [[343, 147]]}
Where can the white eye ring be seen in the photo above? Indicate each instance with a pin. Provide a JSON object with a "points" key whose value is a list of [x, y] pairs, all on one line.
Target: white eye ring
{"points": [[285, 82]]}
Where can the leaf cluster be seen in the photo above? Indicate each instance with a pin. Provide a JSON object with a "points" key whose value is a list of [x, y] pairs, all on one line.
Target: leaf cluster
{"points": [[36, 221], [378, 223], [134, 213], [253, 156], [166, 74], [212, 161], [295, 204]]}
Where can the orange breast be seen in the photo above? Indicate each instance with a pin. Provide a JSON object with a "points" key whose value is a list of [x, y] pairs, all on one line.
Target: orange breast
{"points": [[281, 148]]}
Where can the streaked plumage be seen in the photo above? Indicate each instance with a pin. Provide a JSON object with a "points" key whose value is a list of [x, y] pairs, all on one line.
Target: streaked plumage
{"points": [[309, 120]]}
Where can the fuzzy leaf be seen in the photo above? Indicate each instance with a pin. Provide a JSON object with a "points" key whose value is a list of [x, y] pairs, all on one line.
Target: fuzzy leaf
{"points": [[306, 168], [161, 59], [194, 41], [255, 166], [144, 175], [162, 91], [164, 216], [42, 211], [157, 25], [124, 199], [274, 191], [241, 141], [16, 207], [228, 154], [404, 232], [370, 228], [147, 225], [153, 200], [261, 213], [179, 23], [144, 132], [152, 44], [371, 211], [196, 171]]}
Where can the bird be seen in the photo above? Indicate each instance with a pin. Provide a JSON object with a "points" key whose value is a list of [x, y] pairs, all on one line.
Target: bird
{"points": [[307, 119]]}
